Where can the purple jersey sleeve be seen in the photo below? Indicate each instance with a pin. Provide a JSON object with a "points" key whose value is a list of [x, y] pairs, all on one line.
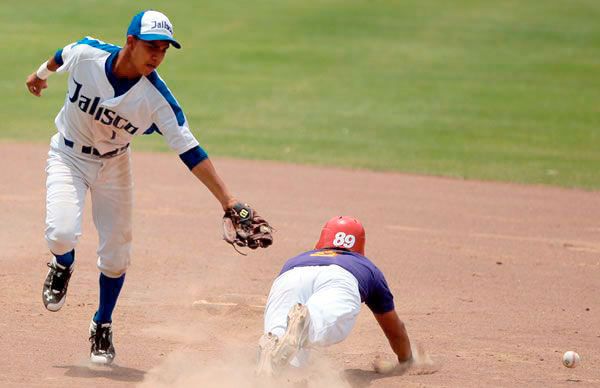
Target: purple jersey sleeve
{"points": [[380, 299]]}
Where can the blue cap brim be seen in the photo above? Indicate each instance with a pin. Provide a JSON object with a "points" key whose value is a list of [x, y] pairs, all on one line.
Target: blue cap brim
{"points": [[159, 37]]}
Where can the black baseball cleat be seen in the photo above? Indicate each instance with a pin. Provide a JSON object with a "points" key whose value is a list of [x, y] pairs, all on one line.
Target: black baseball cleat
{"points": [[102, 351], [54, 293]]}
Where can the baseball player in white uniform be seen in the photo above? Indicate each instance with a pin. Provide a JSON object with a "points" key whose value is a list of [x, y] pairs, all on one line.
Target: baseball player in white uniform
{"points": [[114, 93], [317, 296]]}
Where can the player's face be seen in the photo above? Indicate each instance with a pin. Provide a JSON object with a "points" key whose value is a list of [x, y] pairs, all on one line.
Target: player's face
{"points": [[148, 55]]}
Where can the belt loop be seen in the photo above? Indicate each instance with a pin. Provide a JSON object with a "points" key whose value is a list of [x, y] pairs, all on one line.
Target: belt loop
{"points": [[68, 142]]}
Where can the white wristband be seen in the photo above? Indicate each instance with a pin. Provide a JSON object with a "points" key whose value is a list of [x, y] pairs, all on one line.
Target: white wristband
{"points": [[43, 72]]}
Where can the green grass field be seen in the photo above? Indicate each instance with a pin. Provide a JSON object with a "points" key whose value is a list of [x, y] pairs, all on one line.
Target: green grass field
{"points": [[495, 90]]}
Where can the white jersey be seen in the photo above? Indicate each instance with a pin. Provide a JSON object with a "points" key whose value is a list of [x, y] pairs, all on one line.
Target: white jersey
{"points": [[105, 112]]}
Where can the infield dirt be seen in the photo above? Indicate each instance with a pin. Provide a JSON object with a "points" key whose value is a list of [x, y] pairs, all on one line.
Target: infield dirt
{"points": [[495, 280]]}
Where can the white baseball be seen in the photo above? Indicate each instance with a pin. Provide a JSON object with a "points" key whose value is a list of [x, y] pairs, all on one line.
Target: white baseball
{"points": [[571, 359]]}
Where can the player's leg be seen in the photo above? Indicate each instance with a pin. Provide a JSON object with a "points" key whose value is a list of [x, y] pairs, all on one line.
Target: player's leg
{"points": [[332, 309], [288, 290], [112, 197], [295, 336], [66, 187], [333, 306]]}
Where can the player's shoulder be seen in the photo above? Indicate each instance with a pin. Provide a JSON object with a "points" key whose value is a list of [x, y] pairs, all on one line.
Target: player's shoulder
{"points": [[364, 260], [159, 84], [90, 47], [163, 94]]}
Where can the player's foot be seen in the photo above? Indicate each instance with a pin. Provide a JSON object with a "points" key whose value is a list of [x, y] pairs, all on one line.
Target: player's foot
{"points": [[266, 346], [295, 337], [103, 351], [55, 286]]}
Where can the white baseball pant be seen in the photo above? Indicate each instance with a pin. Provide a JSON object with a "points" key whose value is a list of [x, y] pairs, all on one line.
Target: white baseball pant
{"points": [[69, 175], [331, 295]]}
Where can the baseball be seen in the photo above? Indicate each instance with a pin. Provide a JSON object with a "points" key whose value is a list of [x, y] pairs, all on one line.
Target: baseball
{"points": [[570, 359], [382, 366]]}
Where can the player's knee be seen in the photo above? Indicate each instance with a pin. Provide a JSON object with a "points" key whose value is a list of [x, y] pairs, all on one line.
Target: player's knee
{"points": [[112, 270], [61, 239], [111, 274], [114, 265]]}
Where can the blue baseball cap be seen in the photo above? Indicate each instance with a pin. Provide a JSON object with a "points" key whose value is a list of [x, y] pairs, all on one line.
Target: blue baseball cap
{"points": [[152, 25]]}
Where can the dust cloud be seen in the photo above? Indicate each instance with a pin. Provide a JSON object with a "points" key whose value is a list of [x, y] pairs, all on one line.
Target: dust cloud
{"points": [[233, 368]]}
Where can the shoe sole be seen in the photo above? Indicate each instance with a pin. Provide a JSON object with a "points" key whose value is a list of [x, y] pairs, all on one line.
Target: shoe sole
{"points": [[295, 335], [266, 344], [55, 307], [101, 360]]}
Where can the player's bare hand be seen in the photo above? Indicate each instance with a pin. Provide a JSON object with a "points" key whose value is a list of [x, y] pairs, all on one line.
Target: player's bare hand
{"points": [[35, 85], [420, 363], [382, 366]]}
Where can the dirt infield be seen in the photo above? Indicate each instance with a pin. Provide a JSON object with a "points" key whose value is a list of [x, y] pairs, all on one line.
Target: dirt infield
{"points": [[496, 281]]}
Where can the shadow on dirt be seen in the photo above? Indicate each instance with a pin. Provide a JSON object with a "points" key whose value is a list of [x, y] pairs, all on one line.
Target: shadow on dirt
{"points": [[113, 372], [361, 378]]}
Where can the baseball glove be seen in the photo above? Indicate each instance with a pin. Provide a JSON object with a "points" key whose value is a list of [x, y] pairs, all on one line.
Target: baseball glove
{"points": [[242, 226]]}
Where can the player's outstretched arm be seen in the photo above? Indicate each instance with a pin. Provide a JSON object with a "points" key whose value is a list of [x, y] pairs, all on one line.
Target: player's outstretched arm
{"points": [[205, 171], [410, 356], [36, 81], [394, 330]]}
